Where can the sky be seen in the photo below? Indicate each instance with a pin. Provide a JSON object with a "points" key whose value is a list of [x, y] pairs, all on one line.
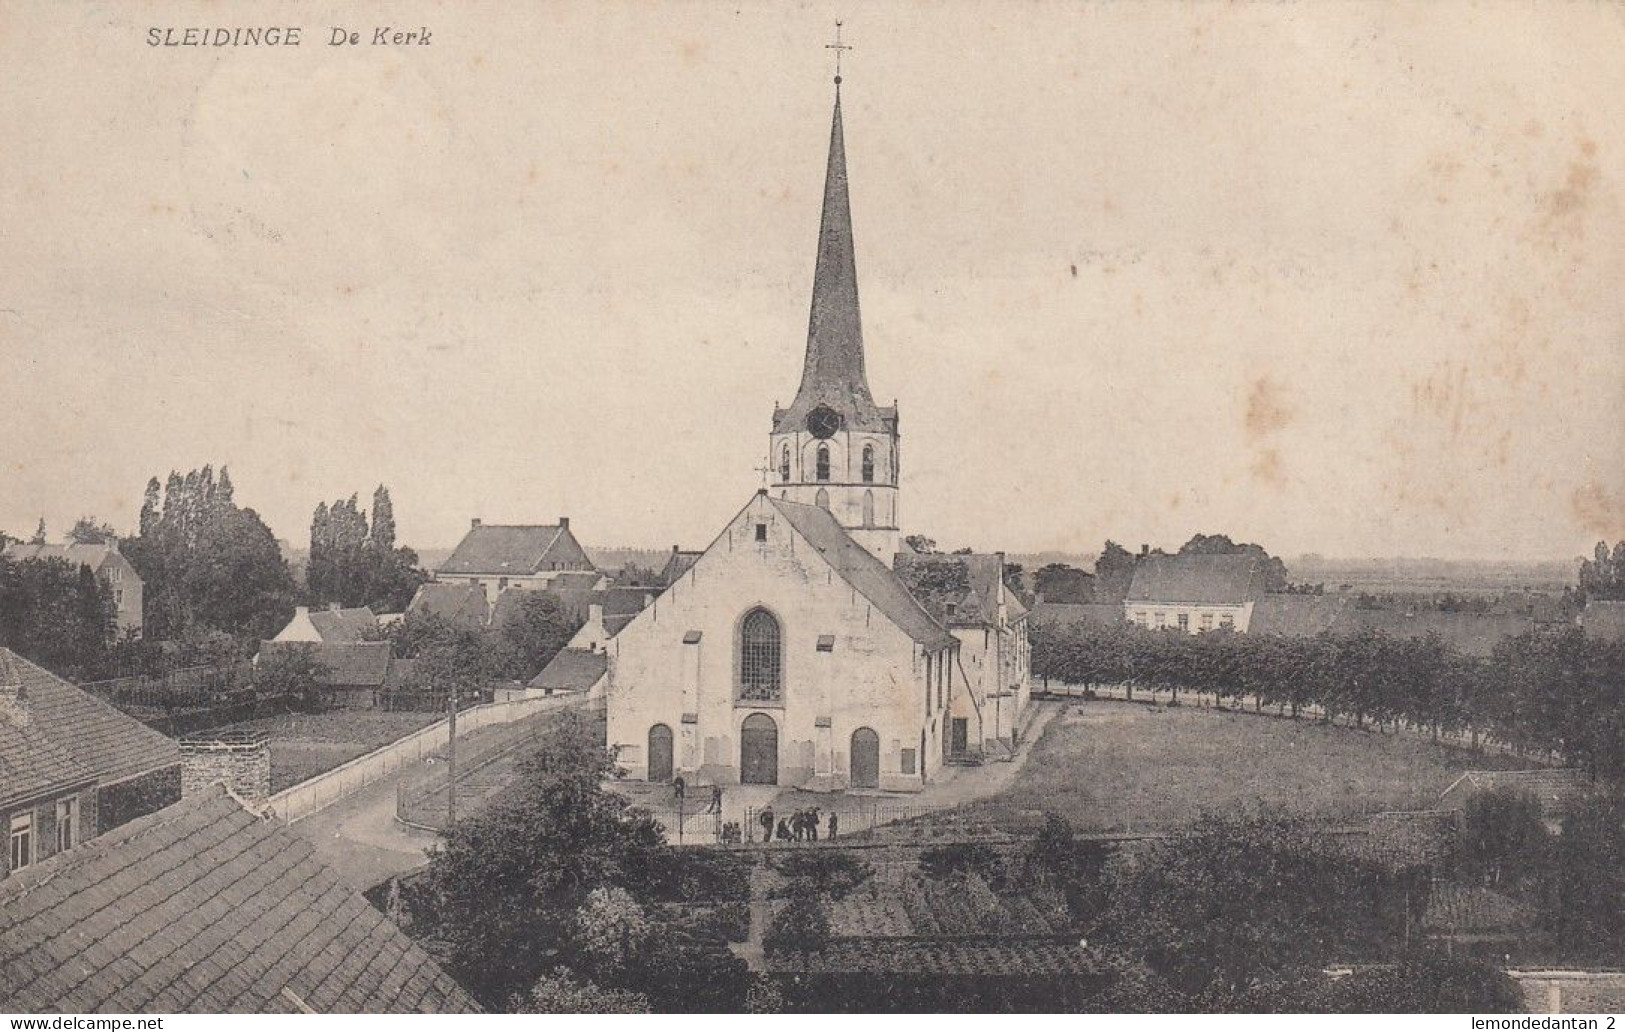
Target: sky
{"points": [[1338, 278]]}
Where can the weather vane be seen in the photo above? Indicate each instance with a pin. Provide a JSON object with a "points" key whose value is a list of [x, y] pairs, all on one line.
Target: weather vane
{"points": [[837, 46]]}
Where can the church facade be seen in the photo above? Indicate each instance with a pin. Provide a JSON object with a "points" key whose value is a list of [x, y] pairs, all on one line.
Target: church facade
{"points": [[791, 651]]}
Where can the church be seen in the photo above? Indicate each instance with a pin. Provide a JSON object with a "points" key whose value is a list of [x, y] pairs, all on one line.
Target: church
{"points": [[801, 648]]}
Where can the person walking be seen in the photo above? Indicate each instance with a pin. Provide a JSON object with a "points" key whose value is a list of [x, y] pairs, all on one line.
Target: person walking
{"points": [[812, 824], [766, 821], [832, 824]]}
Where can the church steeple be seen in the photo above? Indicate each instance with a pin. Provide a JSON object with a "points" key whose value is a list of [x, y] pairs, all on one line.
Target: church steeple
{"points": [[834, 447], [832, 375]]}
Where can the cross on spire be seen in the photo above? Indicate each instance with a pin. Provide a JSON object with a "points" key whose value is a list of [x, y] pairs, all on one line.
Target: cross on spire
{"points": [[764, 470], [838, 47]]}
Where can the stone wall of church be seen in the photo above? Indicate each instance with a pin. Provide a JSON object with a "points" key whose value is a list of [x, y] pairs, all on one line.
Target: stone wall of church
{"points": [[676, 665]]}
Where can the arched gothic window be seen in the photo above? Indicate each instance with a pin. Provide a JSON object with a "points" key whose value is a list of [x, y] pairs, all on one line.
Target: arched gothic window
{"points": [[823, 462], [821, 499], [784, 464], [868, 508], [868, 464], [760, 658]]}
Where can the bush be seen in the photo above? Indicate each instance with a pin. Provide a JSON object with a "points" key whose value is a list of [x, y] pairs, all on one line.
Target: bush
{"points": [[831, 873], [801, 926], [958, 859]]}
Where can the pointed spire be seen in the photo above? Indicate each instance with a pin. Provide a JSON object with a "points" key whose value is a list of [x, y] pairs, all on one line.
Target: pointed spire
{"points": [[833, 374]]}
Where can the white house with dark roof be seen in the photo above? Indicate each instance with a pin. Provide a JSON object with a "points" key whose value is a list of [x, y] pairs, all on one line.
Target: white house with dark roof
{"points": [[332, 625], [789, 651], [499, 557], [1194, 593]]}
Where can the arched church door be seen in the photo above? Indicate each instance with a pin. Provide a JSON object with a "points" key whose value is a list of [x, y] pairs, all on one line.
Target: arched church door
{"points": [[759, 750], [865, 758], [660, 753]]}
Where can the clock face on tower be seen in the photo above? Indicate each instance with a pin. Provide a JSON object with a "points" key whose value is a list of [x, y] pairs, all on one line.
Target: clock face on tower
{"points": [[823, 421]]}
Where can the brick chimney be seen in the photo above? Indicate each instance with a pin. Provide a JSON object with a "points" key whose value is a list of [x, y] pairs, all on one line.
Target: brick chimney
{"points": [[564, 522], [474, 523], [13, 696], [239, 760]]}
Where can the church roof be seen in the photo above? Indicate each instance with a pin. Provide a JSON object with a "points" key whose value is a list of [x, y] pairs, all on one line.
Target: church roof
{"points": [[833, 374], [870, 577], [572, 670]]}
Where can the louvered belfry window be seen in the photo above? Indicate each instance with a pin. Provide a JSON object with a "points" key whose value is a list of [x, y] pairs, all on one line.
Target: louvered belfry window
{"points": [[760, 658]]}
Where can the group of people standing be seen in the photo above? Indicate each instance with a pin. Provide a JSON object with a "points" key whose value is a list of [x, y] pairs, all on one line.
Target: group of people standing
{"points": [[799, 826]]}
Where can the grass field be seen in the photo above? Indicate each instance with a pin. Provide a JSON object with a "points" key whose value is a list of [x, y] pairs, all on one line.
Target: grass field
{"points": [[1116, 766]]}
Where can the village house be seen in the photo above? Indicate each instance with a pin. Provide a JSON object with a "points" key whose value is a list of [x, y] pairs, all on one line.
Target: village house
{"points": [[109, 566], [218, 910], [332, 625], [355, 674], [71, 766], [501, 557], [461, 604], [1194, 593], [967, 594]]}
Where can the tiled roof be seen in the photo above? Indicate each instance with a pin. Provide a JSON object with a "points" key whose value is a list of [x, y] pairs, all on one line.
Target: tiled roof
{"points": [[678, 564], [30, 763], [1230, 579], [203, 907], [357, 665], [871, 578], [80, 555], [494, 549], [342, 626], [573, 670], [1302, 616], [1475, 910], [1476, 634], [461, 604], [928, 957], [1555, 789], [98, 737]]}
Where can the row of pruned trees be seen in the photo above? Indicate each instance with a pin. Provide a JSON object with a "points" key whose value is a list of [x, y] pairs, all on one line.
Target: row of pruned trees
{"points": [[1552, 690]]}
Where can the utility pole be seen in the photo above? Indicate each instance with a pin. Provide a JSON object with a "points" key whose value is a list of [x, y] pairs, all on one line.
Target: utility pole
{"points": [[451, 757]]}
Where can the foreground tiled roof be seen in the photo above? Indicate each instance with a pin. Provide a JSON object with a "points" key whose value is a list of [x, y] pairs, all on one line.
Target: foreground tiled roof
{"points": [[927, 957], [1302, 616], [345, 626], [30, 763], [98, 737], [872, 578], [1230, 579], [204, 907], [574, 670]]}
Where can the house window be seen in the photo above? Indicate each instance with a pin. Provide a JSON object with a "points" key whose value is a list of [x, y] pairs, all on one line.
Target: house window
{"points": [[502, 584], [868, 464], [761, 532], [67, 823], [1139, 617], [760, 658], [1207, 621], [1227, 620], [22, 840], [908, 761], [1185, 622], [822, 464], [1162, 619], [784, 464]]}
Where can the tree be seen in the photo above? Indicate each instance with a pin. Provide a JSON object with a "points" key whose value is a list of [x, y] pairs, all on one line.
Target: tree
{"points": [[1502, 832], [611, 931], [920, 543], [802, 926], [57, 614], [354, 564], [1113, 572], [532, 632], [383, 520], [39, 533], [1058, 582], [292, 671], [501, 892], [1275, 573], [90, 531], [1589, 880]]}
